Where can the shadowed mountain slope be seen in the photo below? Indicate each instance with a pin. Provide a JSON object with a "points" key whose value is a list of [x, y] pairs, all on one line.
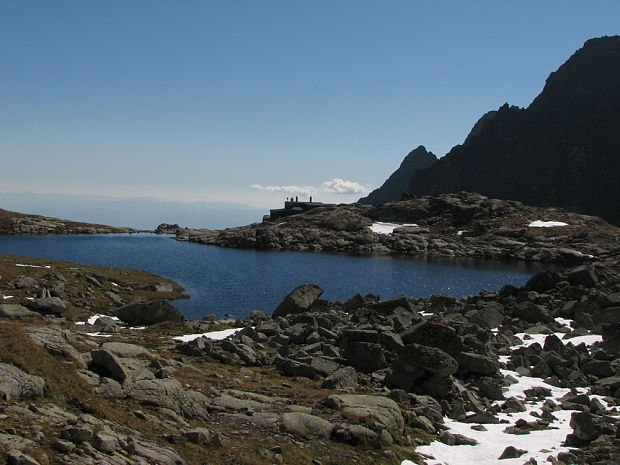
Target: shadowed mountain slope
{"points": [[563, 150]]}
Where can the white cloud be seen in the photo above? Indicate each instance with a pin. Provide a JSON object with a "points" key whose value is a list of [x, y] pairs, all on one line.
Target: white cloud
{"points": [[340, 186], [288, 189], [335, 186]]}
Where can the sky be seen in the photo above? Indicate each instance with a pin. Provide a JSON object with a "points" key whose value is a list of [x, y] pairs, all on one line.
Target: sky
{"points": [[253, 101]]}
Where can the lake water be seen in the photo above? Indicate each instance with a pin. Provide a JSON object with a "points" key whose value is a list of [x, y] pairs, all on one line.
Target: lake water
{"points": [[235, 281]]}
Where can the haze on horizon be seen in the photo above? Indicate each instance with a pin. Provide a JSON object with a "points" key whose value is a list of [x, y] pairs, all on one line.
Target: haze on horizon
{"points": [[250, 102]]}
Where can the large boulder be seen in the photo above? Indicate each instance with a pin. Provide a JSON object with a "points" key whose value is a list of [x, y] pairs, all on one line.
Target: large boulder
{"points": [[429, 359], [16, 312], [16, 384], [124, 370], [432, 334], [344, 379], [588, 427], [169, 393], [532, 313], [470, 362], [611, 338], [56, 341], [148, 313], [48, 305], [365, 408], [543, 281], [582, 275], [386, 307], [306, 425], [299, 300]]}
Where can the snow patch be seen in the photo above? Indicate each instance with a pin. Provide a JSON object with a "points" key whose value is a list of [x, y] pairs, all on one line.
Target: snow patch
{"points": [[33, 266], [98, 335], [546, 224], [4, 297], [387, 228], [529, 339], [492, 442], [215, 335], [92, 319]]}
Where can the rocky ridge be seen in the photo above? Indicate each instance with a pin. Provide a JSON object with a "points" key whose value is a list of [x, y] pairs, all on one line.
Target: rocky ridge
{"points": [[448, 225], [13, 223]]}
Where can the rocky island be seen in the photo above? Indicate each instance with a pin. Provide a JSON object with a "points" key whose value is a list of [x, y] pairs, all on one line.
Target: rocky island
{"points": [[21, 224]]}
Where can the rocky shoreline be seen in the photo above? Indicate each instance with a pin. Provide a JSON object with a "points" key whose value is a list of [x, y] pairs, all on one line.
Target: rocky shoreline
{"points": [[88, 374], [450, 225], [21, 224]]}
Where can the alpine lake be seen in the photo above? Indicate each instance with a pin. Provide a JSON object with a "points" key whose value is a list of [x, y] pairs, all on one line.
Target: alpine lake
{"points": [[233, 282]]}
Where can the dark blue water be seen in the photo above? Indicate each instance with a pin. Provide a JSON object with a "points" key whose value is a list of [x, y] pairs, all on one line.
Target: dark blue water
{"points": [[234, 281]]}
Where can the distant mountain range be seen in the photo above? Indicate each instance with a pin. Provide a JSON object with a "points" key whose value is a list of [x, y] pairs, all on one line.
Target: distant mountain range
{"points": [[135, 212], [563, 150]]}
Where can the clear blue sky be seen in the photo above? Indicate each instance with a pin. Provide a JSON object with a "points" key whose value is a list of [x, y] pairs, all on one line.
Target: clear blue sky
{"points": [[201, 100]]}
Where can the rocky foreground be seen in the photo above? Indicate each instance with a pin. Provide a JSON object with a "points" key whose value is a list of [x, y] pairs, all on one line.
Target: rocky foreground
{"points": [[450, 225], [90, 372], [13, 224]]}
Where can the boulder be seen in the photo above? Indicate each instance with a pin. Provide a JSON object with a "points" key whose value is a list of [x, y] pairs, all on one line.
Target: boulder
{"points": [[582, 275], [125, 371], [138, 313], [386, 307], [530, 312], [26, 282], [588, 427], [160, 287], [16, 457], [55, 341], [489, 315], [543, 281], [199, 435], [16, 312], [609, 315], [291, 367], [305, 425], [299, 300], [16, 384], [478, 364], [429, 359], [432, 334], [344, 379], [611, 339], [511, 452], [365, 356], [440, 302], [456, 439], [48, 305], [365, 408], [169, 393]]}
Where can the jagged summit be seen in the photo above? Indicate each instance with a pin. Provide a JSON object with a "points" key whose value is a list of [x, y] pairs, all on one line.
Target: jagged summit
{"points": [[397, 183]]}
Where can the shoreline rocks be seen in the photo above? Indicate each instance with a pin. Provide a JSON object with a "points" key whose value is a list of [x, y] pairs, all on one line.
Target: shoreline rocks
{"points": [[463, 225], [20, 224], [327, 380]]}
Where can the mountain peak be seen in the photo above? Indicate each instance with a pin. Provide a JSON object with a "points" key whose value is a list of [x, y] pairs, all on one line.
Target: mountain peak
{"points": [[392, 189]]}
